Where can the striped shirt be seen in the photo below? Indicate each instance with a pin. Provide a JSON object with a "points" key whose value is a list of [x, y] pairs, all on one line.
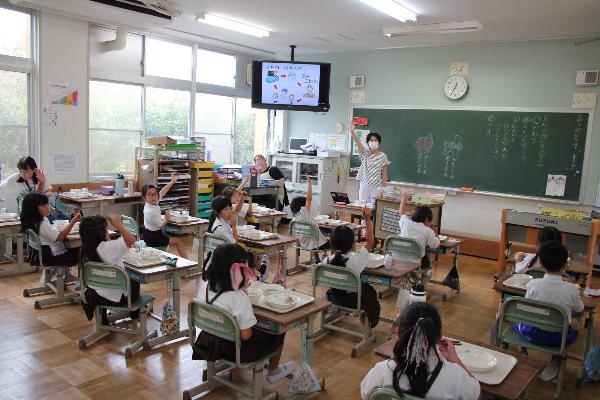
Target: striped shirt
{"points": [[371, 167]]}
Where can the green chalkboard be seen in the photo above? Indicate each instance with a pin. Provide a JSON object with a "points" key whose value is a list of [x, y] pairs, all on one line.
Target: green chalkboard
{"points": [[500, 151]]}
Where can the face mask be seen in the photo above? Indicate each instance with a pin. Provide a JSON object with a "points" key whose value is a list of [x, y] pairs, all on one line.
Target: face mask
{"points": [[373, 145]]}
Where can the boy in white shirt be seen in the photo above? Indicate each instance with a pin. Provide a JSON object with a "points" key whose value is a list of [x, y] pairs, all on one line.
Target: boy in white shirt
{"points": [[301, 208], [418, 227], [238, 200], [552, 289]]}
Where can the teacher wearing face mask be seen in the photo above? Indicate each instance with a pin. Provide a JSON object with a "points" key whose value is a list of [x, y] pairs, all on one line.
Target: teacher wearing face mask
{"points": [[373, 172]]}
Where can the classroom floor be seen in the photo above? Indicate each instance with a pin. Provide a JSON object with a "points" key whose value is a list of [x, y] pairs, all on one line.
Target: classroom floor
{"points": [[40, 358]]}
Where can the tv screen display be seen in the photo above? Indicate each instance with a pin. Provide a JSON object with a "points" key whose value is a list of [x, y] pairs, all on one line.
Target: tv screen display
{"points": [[287, 85]]}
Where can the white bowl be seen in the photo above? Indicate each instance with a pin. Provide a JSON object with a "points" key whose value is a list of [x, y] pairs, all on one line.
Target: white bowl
{"points": [[442, 237], [375, 260], [271, 288], [319, 219], [282, 301], [476, 359], [254, 293], [150, 254]]}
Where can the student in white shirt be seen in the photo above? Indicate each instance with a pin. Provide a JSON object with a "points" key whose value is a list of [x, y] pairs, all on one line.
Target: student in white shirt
{"points": [[342, 241], [30, 178], [524, 261], [552, 289], [238, 200], [424, 363], [34, 215], [418, 227], [154, 236], [228, 276], [222, 219], [97, 246], [301, 208]]}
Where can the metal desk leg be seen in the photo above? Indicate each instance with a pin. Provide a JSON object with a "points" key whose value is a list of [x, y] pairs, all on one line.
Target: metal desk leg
{"points": [[589, 342], [183, 333]]}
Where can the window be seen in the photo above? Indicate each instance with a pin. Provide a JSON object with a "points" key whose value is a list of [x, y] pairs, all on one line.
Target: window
{"points": [[168, 60], [167, 112], [250, 131], [215, 68], [214, 120], [14, 128], [115, 127], [15, 28]]}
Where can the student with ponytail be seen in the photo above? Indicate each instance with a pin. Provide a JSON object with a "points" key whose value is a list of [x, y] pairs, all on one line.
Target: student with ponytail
{"points": [[425, 363], [524, 261], [342, 241]]}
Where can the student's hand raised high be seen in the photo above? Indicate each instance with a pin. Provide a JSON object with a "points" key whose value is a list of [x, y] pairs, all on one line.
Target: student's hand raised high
{"points": [[76, 217], [352, 126], [115, 220]]}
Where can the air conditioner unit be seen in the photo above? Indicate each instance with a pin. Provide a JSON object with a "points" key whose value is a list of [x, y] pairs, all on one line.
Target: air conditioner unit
{"points": [[133, 14], [587, 78]]}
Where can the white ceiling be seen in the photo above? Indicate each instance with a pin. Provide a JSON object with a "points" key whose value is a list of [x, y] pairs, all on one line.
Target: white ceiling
{"points": [[346, 25]]}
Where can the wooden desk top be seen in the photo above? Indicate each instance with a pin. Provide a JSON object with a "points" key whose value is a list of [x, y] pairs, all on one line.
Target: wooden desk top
{"points": [[10, 224], [296, 315], [182, 263], [100, 197], [191, 222], [513, 385], [278, 241], [588, 302], [410, 203], [350, 208], [447, 244], [273, 213], [399, 269], [576, 266]]}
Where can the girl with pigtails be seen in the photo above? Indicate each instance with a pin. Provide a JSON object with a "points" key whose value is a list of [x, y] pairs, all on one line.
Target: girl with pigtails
{"points": [[424, 363]]}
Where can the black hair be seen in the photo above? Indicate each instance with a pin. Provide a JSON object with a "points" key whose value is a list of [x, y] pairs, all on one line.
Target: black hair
{"points": [[92, 230], [297, 203], [30, 215], [27, 162], [375, 135], [545, 234], [228, 192], [147, 187], [223, 257], [422, 214], [342, 240], [419, 331], [219, 203], [553, 255]]}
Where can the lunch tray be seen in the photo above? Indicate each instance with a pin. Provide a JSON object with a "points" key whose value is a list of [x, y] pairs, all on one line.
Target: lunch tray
{"points": [[260, 302]]}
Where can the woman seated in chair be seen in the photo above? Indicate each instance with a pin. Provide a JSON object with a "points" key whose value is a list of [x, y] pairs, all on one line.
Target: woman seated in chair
{"points": [[97, 246], [227, 276], [424, 363], [342, 241], [34, 215]]}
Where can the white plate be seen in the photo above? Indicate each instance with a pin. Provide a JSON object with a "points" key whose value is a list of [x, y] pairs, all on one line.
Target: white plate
{"points": [[283, 300], [8, 216], [476, 359], [442, 237], [375, 260], [518, 281], [303, 299], [493, 376]]}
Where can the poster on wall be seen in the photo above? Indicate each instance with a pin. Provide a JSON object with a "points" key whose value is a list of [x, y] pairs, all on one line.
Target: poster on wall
{"points": [[362, 135], [64, 163], [62, 93]]}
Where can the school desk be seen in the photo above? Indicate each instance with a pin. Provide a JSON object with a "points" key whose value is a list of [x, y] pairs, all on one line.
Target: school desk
{"points": [[393, 278], [195, 226], [265, 218], [353, 227], [272, 247], [447, 246], [302, 318], [387, 216], [99, 201], [590, 304], [580, 269], [168, 274], [513, 386], [14, 228]]}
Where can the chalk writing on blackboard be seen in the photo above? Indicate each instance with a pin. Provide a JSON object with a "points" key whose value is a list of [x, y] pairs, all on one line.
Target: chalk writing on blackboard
{"points": [[451, 151], [576, 146], [424, 144]]}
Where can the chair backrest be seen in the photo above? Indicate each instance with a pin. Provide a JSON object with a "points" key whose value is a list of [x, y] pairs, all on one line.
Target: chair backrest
{"points": [[536, 272], [342, 278], [131, 225], [106, 276], [216, 321], [388, 393], [33, 241], [539, 314], [304, 230], [405, 248]]}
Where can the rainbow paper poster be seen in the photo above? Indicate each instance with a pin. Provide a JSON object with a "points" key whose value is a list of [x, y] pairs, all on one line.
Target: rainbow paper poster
{"points": [[71, 99]]}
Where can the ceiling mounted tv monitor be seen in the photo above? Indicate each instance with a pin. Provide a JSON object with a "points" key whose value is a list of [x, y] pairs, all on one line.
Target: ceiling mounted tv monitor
{"points": [[290, 85]]}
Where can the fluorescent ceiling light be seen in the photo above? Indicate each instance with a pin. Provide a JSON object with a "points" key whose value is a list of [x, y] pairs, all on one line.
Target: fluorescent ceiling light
{"points": [[442, 27], [393, 9], [232, 25]]}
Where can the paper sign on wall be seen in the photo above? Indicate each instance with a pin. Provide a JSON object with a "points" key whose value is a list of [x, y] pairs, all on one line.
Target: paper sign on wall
{"points": [[64, 163], [336, 142], [362, 135], [318, 139], [555, 186]]}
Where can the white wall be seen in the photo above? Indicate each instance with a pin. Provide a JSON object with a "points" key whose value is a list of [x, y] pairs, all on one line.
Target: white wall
{"points": [[537, 74], [64, 59]]}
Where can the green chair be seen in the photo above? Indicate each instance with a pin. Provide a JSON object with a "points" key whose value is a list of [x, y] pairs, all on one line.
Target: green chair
{"points": [[108, 276], [406, 249], [388, 393], [46, 285], [342, 278], [541, 315], [305, 230], [208, 244], [218, 322]]}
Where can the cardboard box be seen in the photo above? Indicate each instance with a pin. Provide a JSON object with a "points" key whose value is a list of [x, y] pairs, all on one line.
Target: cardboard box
{"points": [[158, 140]]}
